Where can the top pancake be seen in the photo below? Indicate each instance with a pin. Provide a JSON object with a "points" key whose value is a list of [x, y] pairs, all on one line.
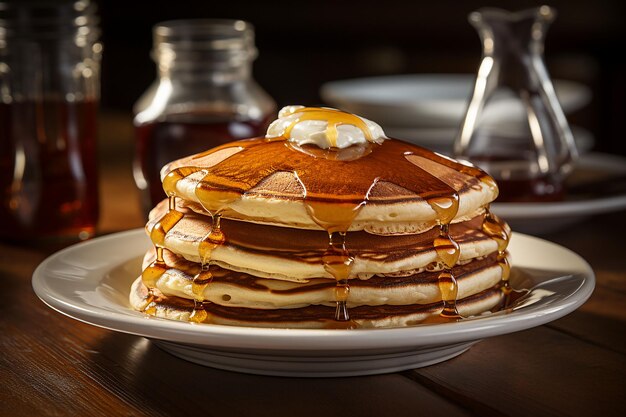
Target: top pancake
{"points": [[387, 188]]}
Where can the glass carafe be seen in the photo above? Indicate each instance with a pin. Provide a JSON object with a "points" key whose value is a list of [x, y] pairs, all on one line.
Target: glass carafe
{"points": [[514, 127], [204, 96]]}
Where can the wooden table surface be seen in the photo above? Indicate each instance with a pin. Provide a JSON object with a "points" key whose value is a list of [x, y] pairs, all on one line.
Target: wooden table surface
{"points": [[53, 365]]}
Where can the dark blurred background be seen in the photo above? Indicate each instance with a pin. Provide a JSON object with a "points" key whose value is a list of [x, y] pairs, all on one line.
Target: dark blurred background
{"points": [[303, 44]]}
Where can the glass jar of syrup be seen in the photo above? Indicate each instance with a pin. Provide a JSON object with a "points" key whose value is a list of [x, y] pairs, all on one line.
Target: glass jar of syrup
{"points": [[49, 90], [514, 127], [204, 96]]}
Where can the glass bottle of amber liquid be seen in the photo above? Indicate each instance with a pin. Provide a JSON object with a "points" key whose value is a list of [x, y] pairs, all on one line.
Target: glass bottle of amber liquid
{"points": [[204, 96], [49, 90]]}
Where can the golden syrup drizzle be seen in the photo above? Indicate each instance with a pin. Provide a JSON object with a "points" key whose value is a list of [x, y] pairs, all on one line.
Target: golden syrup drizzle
{"points": [[334, 208], [151, 305], [506, 268], [334, 118], [152, 272], [338, 262], [212, 240], [199, 313], [200, 281], [337, 218], [448, 251], [446, 207], [495, 228], [449, 293], [172, 177], [165, 223], [491, 184]]}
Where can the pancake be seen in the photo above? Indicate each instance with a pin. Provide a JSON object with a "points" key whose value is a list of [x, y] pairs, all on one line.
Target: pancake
{"points": [[270, 182], [237, 289], [314, 316], [295, 254]]}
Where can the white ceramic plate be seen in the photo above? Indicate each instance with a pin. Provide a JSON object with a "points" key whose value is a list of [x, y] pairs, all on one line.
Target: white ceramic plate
{"points": [[90, 282], [429, 100], [542, 218]]}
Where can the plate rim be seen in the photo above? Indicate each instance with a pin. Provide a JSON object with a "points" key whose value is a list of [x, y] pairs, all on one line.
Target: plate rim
{"points": [[299, 340]]}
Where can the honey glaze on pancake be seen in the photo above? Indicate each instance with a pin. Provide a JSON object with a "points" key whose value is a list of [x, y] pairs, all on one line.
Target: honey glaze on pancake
{"points": [[332, 209]]}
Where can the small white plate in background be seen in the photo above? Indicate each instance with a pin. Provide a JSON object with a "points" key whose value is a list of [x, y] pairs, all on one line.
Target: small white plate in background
{"points": [[429, 100]]}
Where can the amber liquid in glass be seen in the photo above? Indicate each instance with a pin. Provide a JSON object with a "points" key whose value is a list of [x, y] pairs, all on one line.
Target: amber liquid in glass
{"points": [[48, 170], [160, 142], [509, 163], [541, 188]]}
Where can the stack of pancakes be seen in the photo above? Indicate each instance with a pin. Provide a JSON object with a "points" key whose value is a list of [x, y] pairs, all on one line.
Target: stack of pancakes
{"points": [[266, 233]]}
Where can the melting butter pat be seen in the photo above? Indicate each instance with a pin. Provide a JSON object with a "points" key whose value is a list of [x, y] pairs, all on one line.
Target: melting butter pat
{"points": [[324, 127]]}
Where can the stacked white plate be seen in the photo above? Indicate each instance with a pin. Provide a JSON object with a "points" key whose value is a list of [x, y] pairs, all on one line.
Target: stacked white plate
{"points": [[427, 109]]}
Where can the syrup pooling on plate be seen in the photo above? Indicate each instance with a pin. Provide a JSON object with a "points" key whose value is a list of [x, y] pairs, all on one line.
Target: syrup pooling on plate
{"points": [[333, 210]]}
